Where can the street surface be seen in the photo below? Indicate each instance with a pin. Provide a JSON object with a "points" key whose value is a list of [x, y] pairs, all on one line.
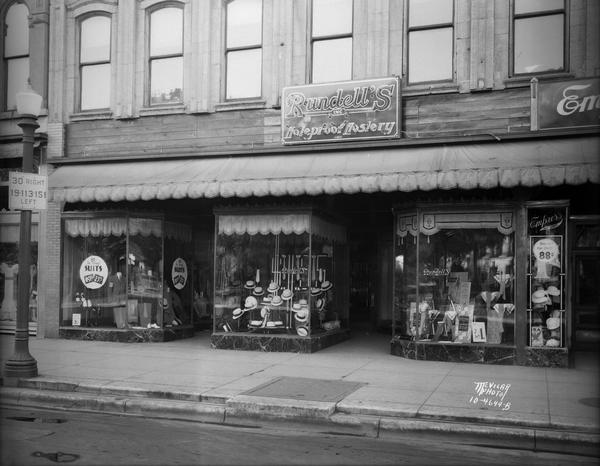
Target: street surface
{"points": [[45, 437]]}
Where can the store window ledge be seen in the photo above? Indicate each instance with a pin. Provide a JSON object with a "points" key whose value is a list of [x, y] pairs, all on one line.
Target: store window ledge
{"points": [[417, 90], [162, 110], [525, 81], [130, 335]]}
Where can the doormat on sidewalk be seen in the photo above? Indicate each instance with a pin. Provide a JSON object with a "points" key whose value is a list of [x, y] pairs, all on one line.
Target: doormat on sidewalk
{"points": [[298, 388]]}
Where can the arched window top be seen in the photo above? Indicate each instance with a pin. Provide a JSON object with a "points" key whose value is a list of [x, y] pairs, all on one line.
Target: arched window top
{"points": [[166, 30], [95, 38], [16, 41]]}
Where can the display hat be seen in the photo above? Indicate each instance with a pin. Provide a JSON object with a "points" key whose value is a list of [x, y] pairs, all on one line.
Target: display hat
{"points": [[302, 331], [303, 302], [326, 285], [301, 315], [296, 307], [314, 291], [553, 323], [267, 299], [250, 303], [320, 303], [276, 300], [273, 287], [264, 312], [539, 297], [237, 313], [553, 291], [249, 284], [287, 294], [552, 342], [258, 291]]}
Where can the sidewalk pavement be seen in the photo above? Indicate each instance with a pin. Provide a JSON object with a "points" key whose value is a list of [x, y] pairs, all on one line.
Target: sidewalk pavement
{"points": [[549, 409]]}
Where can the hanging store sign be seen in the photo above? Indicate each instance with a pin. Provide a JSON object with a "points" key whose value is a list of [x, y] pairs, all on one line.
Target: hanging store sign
{"points": [[569, 104], [27, 191], [93, 272], [341, 111], [179, 273]]}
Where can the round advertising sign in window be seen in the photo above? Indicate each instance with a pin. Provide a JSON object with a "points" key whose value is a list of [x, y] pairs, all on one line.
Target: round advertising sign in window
{"points": [[93, 272], [179, 273]]}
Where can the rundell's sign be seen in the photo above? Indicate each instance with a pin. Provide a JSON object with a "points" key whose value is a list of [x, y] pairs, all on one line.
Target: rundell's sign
{"points": [[341, 111]]}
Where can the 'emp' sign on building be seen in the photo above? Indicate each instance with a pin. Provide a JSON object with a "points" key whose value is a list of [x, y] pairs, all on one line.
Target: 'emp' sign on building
{"points": [[27, 191], [341, 111]]}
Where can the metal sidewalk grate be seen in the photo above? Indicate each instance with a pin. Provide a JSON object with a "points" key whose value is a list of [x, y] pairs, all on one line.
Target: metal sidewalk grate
{"points": [[298, 388]]}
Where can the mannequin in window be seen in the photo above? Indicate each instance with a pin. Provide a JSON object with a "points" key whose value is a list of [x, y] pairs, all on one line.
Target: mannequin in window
{"points": [[117, 294]]}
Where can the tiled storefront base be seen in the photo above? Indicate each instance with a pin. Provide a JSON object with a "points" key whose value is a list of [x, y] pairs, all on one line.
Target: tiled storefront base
{"points": [[278, 343], [483, 354], [131, 335]]}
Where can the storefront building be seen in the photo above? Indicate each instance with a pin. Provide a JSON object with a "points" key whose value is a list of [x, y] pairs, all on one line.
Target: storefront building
{"points": [[24, 23], [282, 202]]}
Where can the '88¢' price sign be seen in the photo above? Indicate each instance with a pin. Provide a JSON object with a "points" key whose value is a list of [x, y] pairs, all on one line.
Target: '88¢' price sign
{"points": [[546, 250]]}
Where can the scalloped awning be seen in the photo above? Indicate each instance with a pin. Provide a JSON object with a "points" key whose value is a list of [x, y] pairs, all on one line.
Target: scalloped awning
{"points": [[549, 162]]}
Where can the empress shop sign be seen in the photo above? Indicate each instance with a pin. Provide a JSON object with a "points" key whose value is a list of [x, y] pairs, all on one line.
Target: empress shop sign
{"points": [[341, 111], [568, 104]]}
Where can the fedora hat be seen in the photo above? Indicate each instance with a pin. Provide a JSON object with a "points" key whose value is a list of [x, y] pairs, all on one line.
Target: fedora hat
{"points": [[326, 285], [250, 303]]}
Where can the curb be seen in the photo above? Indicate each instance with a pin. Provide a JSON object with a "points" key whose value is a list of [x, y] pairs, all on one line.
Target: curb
{"points": [[324, 417]]}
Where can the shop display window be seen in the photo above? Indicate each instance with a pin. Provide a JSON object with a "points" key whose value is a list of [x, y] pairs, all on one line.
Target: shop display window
{"points": [[279, 274], [454, 277], [546, 310], [113, 272]]}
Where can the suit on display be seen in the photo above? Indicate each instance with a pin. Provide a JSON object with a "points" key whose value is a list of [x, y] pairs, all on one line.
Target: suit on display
{"points": [[117, 297]]}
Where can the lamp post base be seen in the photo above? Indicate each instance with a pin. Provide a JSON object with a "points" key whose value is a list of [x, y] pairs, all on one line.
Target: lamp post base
{"points": [[21, 369]]}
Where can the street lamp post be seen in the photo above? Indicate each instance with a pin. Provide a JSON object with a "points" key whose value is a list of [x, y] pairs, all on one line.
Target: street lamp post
{"points": [[21, 364]]}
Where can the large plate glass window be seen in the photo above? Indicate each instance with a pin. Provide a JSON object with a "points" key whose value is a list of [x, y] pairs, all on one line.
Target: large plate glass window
{"points": [[454, 277], [278, 274], [244, 49], [538, 36], [331, 40], [94, 62], [430, 40], [166, 55], [546, 229], [16, 52]]}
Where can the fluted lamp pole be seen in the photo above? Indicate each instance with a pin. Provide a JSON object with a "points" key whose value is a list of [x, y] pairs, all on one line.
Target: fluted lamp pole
{"points": [[22, 364]]}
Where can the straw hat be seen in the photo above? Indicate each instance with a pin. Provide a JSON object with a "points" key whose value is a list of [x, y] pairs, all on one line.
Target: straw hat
{"points": [[249, 284], [250, 303], [303, 302], [287, 294], [273, 287], [237, 313], [296, 307], [301, 315], [326, 285], [553, 291], [276, 300], [315, 291], [302, 331], [553, 323], [539, 297], [258, 291], [320, 303]]}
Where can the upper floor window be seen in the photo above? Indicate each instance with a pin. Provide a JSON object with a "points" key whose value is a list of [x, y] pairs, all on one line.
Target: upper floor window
{"points": [[94, 62], [16, 52], [430, 40], [331, 40], [166, 55], [243, 53], [538, 36]]}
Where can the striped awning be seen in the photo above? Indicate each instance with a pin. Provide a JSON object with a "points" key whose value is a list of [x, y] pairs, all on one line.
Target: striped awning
{"points": [[548, 162]]}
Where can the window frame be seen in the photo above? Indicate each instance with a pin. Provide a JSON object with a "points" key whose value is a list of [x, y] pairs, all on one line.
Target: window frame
{"points": [[5, 60], [80, 66], [514, 17], [149, 57], [242, 48], [429, 27], [328, 37]]}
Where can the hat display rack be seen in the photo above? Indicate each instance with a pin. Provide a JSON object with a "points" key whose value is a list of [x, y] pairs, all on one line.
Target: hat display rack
{"points": [[546, 303], [283, 303]]}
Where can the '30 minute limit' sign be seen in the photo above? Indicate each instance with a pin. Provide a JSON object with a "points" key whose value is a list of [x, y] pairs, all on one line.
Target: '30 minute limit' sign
{"points": [[27, 191]]}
